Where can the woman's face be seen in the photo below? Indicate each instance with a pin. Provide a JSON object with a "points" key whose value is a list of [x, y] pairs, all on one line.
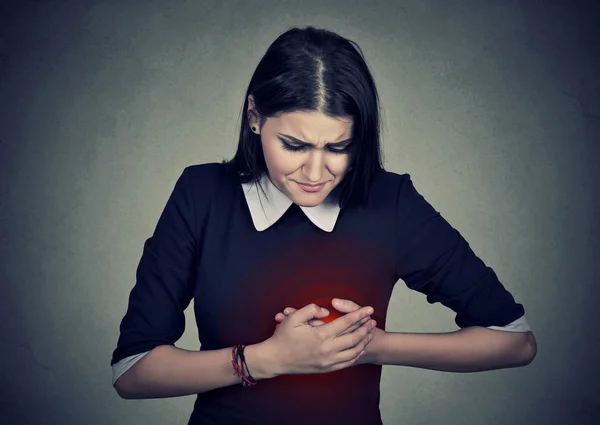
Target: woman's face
{"points": [[306, 154]]}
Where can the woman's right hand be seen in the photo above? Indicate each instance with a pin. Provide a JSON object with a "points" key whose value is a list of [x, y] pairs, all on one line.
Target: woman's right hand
{"points": [[296, 347]]}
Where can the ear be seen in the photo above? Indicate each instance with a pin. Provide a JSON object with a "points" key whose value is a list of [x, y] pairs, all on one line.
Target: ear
{"points": [[253, 116], [250, 102]]}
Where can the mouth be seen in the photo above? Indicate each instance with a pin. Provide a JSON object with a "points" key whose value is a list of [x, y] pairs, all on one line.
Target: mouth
{"points": [[311, 187]]}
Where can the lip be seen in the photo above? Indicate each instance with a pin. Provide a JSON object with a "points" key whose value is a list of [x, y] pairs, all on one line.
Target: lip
{"points": [[311, 188]]}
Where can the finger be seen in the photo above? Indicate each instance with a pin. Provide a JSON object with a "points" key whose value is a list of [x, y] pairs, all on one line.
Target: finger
{"points": [[279, 317], [350, 340], [350, 357], [341, 324], [306, 313], [356, 326], [316, 322], [286, 312], [344, 365], [344, 306], [354, 352]]}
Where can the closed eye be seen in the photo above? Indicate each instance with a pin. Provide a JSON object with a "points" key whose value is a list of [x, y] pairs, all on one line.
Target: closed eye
{"points": [[301, 148]]}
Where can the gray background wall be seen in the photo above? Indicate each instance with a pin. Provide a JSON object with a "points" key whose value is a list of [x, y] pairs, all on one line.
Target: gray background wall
{"points": [[492, 107]]}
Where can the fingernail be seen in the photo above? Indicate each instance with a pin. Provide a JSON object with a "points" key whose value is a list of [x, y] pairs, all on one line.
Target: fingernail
{"points": [[370, 311], [337, 302]]}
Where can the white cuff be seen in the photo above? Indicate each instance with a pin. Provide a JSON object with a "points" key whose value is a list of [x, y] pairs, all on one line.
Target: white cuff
{"points": [[519, 325], [124, 365]]}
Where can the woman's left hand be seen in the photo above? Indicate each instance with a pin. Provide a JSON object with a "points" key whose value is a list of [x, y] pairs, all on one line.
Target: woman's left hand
{"points": [[345, 307]]}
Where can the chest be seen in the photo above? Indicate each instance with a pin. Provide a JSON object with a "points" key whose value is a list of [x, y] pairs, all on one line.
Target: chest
{"points": [[245, 277]]}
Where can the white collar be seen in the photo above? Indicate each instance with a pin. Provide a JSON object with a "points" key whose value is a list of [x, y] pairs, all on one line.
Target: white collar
{"points": [[266, 211]]}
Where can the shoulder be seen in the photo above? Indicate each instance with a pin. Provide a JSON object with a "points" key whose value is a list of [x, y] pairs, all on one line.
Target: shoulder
{"points": [[390, 185], [390, 177], [210, 172], [398, 192], [199, 185], [206, 177]]}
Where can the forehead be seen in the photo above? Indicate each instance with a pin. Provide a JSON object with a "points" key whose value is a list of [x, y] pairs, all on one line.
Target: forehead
{"points": [[312, 126]]}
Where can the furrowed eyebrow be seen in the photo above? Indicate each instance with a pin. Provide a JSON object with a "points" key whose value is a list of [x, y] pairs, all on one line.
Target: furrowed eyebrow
{"points": [[302, 143]]}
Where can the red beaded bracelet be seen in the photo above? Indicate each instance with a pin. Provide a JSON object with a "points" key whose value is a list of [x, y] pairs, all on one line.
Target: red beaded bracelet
{"points": [[241, 370]]}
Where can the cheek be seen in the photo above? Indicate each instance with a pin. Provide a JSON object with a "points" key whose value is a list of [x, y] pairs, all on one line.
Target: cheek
{"points": [[272, 156], [338, 165], [278, 160]]}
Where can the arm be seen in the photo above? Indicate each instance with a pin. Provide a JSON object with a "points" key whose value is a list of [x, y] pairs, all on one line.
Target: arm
{"points": [[471, 349], [155, 320], [168, 371], [295, 348], [435, 260]]}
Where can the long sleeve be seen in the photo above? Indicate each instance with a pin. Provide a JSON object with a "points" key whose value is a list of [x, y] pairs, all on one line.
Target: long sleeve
{"points": [[164, 279], [434, 259]]}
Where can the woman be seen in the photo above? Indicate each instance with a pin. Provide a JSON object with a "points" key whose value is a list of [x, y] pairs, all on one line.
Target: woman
{"points": [[291, 251]]}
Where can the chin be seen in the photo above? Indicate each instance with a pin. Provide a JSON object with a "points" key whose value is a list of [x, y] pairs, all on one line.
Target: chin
{"points": [[308, 201], [307, 204]]}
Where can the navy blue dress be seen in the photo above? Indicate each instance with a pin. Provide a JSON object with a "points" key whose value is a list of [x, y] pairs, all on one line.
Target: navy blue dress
{"points": [[206, 247]]}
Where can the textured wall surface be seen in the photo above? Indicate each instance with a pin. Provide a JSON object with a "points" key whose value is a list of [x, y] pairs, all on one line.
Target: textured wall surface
{"points": [[492, 107]]}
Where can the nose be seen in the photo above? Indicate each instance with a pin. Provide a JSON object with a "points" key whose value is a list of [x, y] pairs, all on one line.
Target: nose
{"points": [[315, 166]]}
